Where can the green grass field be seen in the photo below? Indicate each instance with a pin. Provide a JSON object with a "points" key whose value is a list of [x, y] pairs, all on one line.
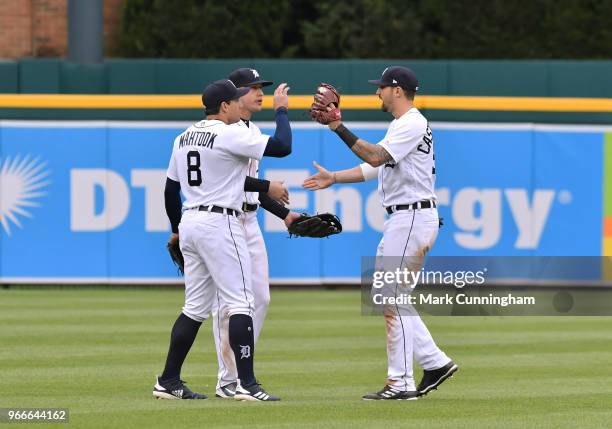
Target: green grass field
{"points": [[97, 351]]}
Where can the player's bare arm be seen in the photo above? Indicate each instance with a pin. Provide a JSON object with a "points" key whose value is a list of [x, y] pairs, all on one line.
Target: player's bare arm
{"points": [[373, 154], [325, 178]]}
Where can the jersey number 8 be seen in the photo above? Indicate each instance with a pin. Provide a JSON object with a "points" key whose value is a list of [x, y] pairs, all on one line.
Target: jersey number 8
{"points": [[193, 168]]}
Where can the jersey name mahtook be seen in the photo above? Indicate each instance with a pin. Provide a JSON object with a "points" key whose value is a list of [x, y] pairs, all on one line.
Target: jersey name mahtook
{"points": [[196, 138]]}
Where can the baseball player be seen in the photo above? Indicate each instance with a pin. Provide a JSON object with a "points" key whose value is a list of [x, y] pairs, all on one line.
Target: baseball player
{"points": [[251, 103], [209, 165], [403, 161]]}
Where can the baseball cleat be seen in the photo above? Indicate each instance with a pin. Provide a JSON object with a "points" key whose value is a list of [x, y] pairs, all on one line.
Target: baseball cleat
{"points": [[226, 392], [432, 379], [174, 390], [389, 392], [253, 393]]}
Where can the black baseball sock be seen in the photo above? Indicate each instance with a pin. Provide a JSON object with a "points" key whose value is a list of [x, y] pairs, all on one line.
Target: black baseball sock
{"points": [[182, 337], [242, 342]]}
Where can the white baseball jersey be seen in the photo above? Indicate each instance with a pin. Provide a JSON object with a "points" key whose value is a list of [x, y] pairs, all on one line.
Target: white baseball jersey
{"points": [[410, 177], [253, 168], [210, 160]]}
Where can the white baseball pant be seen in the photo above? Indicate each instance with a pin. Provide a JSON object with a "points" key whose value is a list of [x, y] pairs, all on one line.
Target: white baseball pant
{"points": [[407, 237], [217, 263], [261, 292]]}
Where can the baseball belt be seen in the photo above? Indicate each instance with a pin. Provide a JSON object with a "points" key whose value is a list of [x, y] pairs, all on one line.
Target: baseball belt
{"points": [[217, 209], [246, 207], [425, 204]]}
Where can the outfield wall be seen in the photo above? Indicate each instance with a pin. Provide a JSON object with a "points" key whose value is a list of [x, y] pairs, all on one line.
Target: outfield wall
{"points": [[566, 91], [83, 201], [535, 78]]}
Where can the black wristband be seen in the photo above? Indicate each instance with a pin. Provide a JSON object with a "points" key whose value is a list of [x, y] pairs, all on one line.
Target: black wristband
{"points": [[252, 184], [273, 206], [346, 135]]}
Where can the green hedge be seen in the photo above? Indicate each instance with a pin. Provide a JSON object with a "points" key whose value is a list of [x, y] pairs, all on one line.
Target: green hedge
{"points": [[427, 29]]}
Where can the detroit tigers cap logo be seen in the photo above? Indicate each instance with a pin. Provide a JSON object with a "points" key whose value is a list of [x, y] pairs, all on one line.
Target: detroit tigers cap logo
{"points": [[22, 182], [255, 74]]}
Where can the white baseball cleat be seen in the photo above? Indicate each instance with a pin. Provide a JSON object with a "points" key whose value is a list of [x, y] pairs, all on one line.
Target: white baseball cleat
{"points": [[226, 392], [391, 393], [175, 389], [253, 393]]}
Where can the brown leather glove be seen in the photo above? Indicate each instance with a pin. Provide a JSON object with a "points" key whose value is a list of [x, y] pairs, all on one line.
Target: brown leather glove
{"points": [[326, 105]]}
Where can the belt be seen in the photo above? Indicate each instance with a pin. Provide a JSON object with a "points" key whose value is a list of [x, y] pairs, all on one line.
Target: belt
{"points": [[246, 207], [217, 209], [425, 204]]}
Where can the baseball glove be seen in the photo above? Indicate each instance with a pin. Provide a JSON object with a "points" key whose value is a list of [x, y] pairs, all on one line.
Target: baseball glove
{"points": [[176, 255], [317, 226], [326, 105]]}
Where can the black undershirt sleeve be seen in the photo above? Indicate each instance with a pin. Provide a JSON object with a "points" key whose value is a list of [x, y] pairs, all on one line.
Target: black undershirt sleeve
{"points": [[273, 206], [172, 199], [279, 145]]}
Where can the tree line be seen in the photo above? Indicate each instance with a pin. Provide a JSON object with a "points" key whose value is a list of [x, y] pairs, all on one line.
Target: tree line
{"points": [[424, 29]]}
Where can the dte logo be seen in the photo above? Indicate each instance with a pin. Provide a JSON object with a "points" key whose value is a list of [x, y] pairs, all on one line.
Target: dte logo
{"points": [[100, 200], [477, 213], [114, 199]]}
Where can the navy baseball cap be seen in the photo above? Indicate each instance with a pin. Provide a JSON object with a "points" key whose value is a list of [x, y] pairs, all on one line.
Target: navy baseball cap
{"points": [[220, 91], [398, 76], [247, 77]]}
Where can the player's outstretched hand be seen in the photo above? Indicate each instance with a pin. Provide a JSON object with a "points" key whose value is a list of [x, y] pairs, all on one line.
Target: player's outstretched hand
{"points": [[321, 180], [278, 191], [281, 99], [291, 217]]}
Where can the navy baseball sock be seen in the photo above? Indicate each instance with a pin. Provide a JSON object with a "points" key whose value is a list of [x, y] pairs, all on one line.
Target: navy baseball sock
{"points": [[242, 342], [181, 339]]}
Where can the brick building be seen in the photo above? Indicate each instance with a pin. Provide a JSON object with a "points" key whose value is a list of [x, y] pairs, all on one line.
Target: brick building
{"points": [[39, 28]]}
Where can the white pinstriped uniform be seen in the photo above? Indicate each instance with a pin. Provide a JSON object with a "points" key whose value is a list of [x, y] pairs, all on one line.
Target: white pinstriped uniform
{"points": [[407, 237], [260, 283], [210, 160]]}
